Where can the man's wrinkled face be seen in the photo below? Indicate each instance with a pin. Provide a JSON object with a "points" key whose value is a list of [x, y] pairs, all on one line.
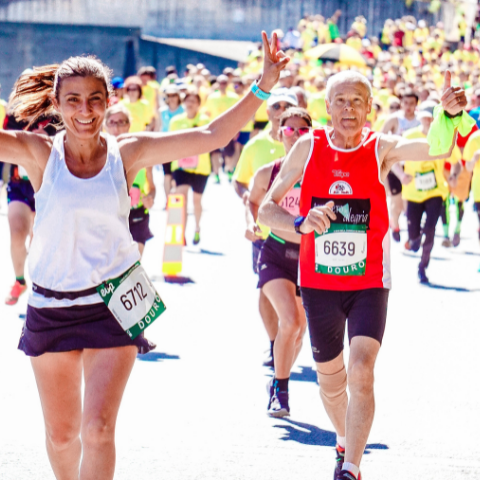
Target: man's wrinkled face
{"points": [[349, 104]]}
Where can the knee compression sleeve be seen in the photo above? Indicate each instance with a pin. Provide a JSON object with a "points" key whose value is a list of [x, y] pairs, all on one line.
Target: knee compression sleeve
{"points": [[333, 388]]}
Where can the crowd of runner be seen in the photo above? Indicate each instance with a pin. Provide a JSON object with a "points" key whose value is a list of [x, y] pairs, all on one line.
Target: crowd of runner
{"points": [[410, 73]]}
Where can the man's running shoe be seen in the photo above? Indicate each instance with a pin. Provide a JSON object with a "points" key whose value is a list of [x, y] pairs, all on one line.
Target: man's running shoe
{"points": [[15, 293], [456, 240], [217, 179], [279, 405], [230, 176], [340, 457], [396, 235], [346, 475], [446, 242], [196, 238], [422, 276]]}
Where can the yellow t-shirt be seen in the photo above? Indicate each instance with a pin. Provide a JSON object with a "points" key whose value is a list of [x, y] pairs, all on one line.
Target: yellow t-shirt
{"points": [[217, 103], [150, 91], [182, 122], [3, 112], [428, 179], [141, 114], [317, 107], [473, 144], [258, 151], [261, 114]]}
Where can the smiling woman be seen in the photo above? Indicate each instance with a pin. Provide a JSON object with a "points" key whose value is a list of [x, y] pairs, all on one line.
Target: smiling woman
{"points": [[82, 249]]}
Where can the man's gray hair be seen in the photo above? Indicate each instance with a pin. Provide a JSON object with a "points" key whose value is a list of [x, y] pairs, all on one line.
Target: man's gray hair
{"points": [[348, 76]]}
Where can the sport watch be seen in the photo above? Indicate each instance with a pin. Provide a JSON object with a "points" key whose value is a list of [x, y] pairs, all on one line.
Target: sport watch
{"points": [[298, 222]]}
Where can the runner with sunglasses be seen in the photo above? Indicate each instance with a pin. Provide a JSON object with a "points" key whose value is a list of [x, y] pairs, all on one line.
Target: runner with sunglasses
{"points": [[278, 265], [142, 193], [81, 355], [260, 150], [191, 172]]}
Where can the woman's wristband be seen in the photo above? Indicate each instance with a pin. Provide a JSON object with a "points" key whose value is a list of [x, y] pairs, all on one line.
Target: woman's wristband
{"points": [[259, 93]]}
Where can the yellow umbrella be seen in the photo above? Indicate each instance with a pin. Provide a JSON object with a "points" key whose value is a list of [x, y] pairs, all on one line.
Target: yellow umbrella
{"points": [[337, 52]]}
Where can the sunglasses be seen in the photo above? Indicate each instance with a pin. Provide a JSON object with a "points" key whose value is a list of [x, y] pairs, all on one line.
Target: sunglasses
{"points": [[133, 89], [120, 123], [290, 131], [278, 106]]}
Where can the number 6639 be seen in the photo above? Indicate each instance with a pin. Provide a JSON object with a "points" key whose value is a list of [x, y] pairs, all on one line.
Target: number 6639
{"points": [[339, 248]]}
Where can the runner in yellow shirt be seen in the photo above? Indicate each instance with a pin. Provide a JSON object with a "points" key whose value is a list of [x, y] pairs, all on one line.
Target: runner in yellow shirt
{"points": [[191, 172], [151, 89], [139, 109], [217, 103], [424, 189]]}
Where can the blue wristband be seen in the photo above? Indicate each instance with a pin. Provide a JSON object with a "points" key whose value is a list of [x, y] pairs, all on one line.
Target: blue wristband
{"points": [[259, 93]]}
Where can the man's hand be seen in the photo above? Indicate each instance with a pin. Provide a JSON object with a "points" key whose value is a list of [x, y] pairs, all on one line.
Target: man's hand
{"points": [[406, 179], [318, 219], [454, 99], [253, 232]]}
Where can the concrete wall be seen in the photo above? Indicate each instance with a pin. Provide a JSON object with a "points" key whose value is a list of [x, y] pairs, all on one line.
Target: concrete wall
{"points": [[215, 19], [23, 45]]}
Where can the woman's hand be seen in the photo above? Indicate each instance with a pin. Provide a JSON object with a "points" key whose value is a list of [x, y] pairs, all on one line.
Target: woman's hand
{"points": [[273, 63]]}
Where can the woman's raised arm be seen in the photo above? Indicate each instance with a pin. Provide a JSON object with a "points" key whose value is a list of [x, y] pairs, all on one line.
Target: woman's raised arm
{"points": [[148, 149]]}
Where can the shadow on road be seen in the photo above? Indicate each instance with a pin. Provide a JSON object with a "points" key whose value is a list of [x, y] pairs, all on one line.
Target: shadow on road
{"points": [[473, 254], [454, 289], [157, 357], [178, 279], [418, 255], [307, 434], [203, 251], [308, 374]]}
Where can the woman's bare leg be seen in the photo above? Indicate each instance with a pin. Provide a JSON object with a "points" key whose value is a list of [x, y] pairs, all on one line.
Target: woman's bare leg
{"points": [[106, 375], [59, 382]]}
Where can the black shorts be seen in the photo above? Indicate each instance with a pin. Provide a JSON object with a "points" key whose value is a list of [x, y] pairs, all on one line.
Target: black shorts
{"points": [[243, 138], [227, 151], [259, 125], [278, 260], [394, 183], [20, 190], [256, 248], [139, 227], [328, 310], [196, 181], [167, 168]]}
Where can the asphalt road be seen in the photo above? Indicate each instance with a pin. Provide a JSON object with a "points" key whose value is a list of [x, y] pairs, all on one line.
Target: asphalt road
{"points": [[195, 408]]}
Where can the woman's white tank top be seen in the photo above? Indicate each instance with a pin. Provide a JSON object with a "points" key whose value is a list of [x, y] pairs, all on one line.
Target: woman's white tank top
{"points": [[81, 234]]}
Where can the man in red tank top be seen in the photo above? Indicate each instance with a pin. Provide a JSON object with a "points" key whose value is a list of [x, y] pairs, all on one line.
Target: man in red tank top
{"points": [[344, 270]]}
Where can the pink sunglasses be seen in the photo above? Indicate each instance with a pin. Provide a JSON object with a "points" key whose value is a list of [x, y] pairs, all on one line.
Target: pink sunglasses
{"points": [[290, 131]]}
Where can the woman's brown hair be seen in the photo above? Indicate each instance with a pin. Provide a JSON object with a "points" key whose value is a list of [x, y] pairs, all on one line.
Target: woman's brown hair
{"points": [[295, 112], [33, 92]]}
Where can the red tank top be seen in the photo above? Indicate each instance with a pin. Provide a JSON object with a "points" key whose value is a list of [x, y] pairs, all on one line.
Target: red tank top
{"points": [[355, 252]]}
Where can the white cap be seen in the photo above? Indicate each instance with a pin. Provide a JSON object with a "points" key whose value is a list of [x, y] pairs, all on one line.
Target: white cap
{"points": [[282, 95]]}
